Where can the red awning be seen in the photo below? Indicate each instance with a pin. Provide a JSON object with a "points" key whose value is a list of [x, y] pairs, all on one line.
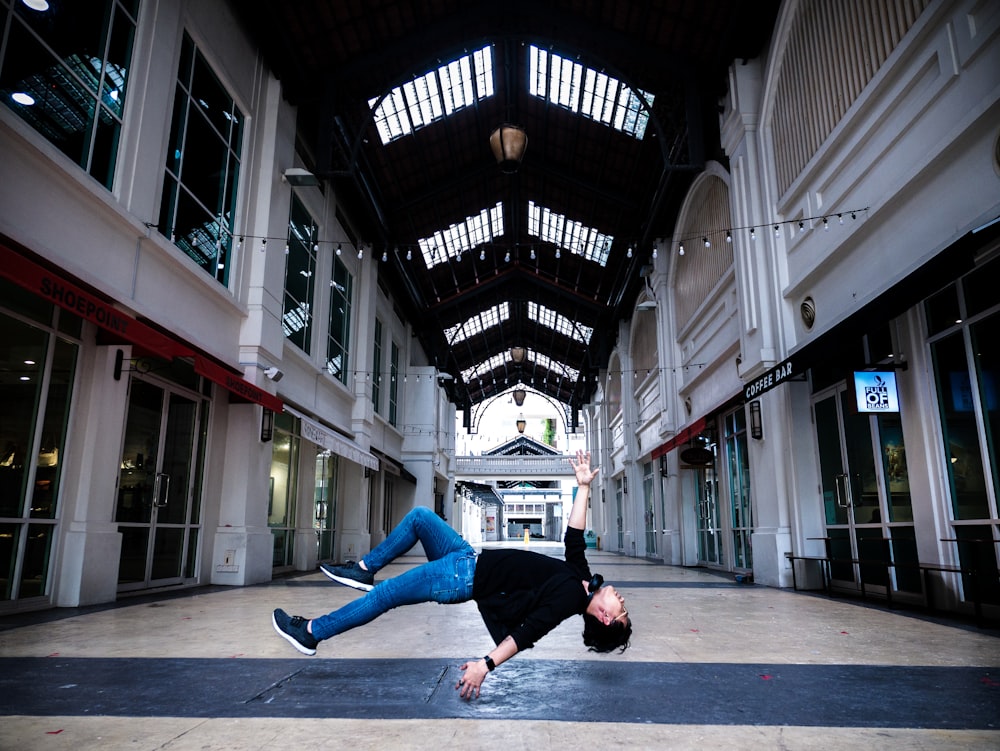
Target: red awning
{"points": [[682, 436], [87, 305], [235, 384], [103, 314]]}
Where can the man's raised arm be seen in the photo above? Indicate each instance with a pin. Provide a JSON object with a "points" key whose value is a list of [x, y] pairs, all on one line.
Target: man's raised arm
{"points": [[584, 476]]}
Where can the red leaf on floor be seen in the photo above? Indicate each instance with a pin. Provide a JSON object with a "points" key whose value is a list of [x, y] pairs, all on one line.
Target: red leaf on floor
{"points": [[766, 677], [54, 654], [53, 732], [694, 631], [238, 654], [843, 632], [186, 618], [989, 681]]}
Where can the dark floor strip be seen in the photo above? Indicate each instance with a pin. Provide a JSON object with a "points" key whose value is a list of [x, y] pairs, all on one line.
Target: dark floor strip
{"points": [[598, 691]]}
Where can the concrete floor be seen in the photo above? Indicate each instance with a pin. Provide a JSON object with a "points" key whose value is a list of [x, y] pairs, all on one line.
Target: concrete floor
{"points": [[713, 664]]}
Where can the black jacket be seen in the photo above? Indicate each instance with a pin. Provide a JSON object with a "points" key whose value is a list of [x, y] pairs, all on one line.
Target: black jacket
{"points": [[524, 595]]}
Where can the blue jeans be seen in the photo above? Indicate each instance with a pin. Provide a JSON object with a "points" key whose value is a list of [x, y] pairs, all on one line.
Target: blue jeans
{"points": [[445, 578]]}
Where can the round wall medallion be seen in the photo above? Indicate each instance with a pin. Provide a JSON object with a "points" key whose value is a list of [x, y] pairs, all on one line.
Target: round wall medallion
{"points": [[808, 312]]}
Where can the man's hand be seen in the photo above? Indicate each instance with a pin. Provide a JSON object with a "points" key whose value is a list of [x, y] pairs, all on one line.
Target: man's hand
{"points": [[473, 674], [584, 474]]}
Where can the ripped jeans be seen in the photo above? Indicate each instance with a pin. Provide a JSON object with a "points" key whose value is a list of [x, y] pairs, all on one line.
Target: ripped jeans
{"points": [[445, 578]]}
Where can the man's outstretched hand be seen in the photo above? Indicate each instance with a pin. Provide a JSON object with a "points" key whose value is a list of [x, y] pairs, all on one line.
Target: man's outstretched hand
{"points": [[473, 674], [584, 474]]}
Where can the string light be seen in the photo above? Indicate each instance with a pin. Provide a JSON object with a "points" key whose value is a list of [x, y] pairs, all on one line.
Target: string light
{"points": [[706, 240]]}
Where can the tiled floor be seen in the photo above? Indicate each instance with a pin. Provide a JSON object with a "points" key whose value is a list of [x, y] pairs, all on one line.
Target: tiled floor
{"points": [[713, 664]]}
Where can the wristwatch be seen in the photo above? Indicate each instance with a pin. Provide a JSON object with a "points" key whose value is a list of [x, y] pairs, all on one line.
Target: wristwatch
{"points": [[490, 664]]}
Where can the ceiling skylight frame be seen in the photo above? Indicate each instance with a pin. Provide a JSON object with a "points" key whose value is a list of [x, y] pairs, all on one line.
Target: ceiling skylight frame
{"points": [[459, 238], [478, 323], [556, 321], [486, 366], [435, 95], [568, 234], [588, 92]]}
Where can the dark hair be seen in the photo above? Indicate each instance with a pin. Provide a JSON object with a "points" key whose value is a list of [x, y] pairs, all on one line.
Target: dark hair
{"points": [[601, 638]]}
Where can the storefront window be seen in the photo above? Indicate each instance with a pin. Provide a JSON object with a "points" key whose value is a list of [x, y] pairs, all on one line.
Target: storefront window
{"points": [[34, 409], [963, 452]]}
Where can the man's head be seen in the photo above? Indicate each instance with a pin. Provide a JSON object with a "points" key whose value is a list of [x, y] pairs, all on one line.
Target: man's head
{"points": [[606, 622]]}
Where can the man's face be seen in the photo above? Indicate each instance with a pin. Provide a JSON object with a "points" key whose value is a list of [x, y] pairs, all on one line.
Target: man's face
{"points": [[610, 606]]}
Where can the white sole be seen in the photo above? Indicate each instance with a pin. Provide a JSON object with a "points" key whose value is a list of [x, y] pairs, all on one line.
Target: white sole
{"points": [[291, 640], [353, 583]]}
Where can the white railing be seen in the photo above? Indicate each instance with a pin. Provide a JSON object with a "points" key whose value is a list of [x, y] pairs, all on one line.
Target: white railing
{"points": [[513, 466]]}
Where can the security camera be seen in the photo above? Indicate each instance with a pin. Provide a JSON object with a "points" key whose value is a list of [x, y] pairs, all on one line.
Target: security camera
{"points": [[273, 373]]}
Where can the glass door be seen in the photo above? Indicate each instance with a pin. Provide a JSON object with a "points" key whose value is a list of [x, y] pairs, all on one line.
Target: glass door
{"points": [[709, 526], [325, 504], [741, 508], [649, 517], [157, 512], [853, 498]]}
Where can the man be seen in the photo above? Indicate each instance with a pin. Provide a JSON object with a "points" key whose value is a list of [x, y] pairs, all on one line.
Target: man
{"points": [[522, 595]]}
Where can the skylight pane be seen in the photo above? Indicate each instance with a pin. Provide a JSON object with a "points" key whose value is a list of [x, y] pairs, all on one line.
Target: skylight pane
{"points": [[434, 95], [536, 73], [458, 238], [484, 72]]}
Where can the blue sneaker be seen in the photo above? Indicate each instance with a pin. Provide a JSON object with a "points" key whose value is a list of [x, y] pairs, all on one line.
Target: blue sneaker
{"points": [[351, 576], [292, 628]]}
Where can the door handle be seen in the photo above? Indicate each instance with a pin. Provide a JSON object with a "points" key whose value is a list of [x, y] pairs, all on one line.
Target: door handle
{"points": [[843, 499], [161, 489]]}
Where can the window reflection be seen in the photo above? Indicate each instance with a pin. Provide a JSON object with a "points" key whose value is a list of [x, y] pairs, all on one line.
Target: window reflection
{"points": [[64, 71]]}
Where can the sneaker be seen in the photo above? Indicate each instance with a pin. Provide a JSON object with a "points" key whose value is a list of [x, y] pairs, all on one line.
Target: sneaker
{"points": [[352, 576], [293, 629]]}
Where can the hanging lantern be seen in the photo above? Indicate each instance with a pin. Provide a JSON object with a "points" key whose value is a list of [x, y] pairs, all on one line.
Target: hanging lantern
{"points": [[508, 143], [519, 395]]}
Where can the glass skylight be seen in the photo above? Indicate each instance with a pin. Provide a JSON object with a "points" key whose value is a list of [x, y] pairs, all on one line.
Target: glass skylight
{"points": [[478, 323], [435, 95], [557, 367], [568, 234], [588, 92], [458, 238], [485, 366], [555, 320]]}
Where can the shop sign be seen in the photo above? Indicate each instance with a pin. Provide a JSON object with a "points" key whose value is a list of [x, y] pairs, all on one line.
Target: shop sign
{"points": [[777, 375], [876, 391]]}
